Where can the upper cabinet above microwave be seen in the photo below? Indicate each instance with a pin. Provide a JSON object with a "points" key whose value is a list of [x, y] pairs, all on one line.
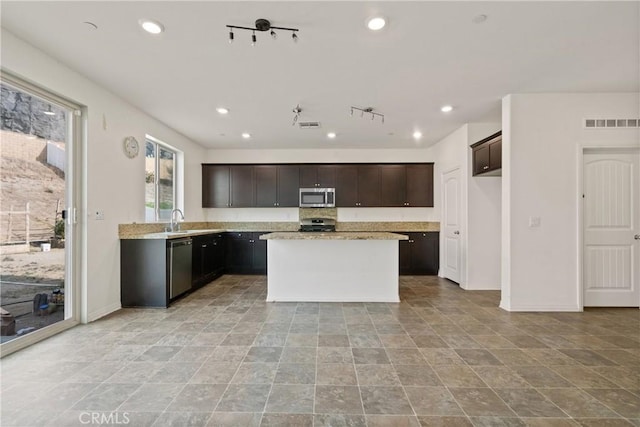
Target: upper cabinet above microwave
{"points": [[356, 185], [487, 156]]}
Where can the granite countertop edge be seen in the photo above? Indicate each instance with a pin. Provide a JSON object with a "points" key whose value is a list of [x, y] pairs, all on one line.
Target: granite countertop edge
{"points": [[334, 235], [155, 230]]}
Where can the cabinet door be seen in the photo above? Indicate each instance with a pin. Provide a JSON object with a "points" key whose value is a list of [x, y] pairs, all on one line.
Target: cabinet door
{"points": [[259, 254], [480, 159], [219, 253], [326, 176], [197, 259], [425, 253], [308, 176], [495, 155], [368, 185], [346, 186], [266, 182], [404, 248], [215, 186], [239, 252], [419, 183], [393, 185], [242, 188], [288, 186]]}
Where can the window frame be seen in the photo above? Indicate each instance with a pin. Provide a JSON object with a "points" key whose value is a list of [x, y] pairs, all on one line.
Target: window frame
{"points": [[177, 182]]}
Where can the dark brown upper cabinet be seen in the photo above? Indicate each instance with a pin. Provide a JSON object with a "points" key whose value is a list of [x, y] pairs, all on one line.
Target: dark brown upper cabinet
{"points": [[323, 176], [346, 186], [357, 185], [242, 189], [225, 186], [487, 156], [277, 185], [215, 186], [406, 185]]}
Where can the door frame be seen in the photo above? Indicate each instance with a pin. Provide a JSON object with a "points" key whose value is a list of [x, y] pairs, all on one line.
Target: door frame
{"points": [[75, 183], [580, 222]]}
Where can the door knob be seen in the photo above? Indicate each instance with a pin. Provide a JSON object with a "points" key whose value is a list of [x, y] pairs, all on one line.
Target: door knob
{"points": [[456, 232], [637, 237]]}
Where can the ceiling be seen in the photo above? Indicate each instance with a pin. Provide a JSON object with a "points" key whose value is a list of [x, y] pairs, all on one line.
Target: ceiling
{"points": [[429, 54]]}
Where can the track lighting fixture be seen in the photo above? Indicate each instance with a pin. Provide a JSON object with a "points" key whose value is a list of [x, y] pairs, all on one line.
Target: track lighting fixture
{"points": [[262, 25], [368, 110]]}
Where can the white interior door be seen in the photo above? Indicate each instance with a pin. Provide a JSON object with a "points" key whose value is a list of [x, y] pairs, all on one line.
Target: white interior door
{"points": [[451, 225], [611, 243]]}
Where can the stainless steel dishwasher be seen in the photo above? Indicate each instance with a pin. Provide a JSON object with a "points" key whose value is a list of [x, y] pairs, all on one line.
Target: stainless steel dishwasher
{"points": [[179, 254]]}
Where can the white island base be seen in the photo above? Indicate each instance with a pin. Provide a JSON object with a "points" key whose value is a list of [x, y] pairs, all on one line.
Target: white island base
{"points": [[333, 268]]}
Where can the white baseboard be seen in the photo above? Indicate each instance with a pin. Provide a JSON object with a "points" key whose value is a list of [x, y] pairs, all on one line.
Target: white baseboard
{"points": [[103, 311], [25, 341], [527, 307]]}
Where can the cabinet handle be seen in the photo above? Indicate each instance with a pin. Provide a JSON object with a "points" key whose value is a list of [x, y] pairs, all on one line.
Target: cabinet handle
{"points": [[408, 203], [204, 246], [485, 168], [275, 204]]}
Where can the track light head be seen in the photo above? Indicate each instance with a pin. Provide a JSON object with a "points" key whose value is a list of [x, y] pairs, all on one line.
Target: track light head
{"points": [[231, 36], [294, 36], [253, 39], [273, 35]]}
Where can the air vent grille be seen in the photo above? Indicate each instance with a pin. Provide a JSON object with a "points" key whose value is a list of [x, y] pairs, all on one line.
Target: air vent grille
{"points": [[611, 123], [309, 125]]}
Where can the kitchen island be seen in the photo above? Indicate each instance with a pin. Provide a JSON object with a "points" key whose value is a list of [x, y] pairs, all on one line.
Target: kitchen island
{"points": [[333, 266]]}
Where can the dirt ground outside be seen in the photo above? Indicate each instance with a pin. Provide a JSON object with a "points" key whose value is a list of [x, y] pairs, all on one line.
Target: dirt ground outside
{"points": [[22, 276]]}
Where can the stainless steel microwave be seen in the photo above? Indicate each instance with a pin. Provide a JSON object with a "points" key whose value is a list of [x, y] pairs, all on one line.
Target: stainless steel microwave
{"points": [[317, 197]]}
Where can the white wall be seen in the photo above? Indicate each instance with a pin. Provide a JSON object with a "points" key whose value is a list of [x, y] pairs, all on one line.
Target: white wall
{"points": [[543, 138], [322, 156], [483, 219], [114, 183]]}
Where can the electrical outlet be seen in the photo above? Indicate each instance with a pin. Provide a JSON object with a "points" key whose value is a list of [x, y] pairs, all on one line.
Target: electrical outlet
{"points": [[99, 215]]}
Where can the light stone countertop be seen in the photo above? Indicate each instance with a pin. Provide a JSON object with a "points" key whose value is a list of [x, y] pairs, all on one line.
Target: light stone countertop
{"points": [[173, 234], [334, 235], [156, 230]]}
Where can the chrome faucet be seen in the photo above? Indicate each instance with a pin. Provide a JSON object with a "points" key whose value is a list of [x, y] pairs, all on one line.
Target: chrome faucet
{"points": [[175, 225]]}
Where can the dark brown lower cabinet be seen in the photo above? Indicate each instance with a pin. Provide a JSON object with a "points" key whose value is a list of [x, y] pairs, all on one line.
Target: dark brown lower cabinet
{"points": [[208, 258], [143, 273], [420, 254], [246, 253]]}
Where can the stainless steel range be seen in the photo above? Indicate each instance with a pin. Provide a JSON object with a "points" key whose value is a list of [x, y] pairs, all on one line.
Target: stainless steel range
{"points": [[317, 224]]}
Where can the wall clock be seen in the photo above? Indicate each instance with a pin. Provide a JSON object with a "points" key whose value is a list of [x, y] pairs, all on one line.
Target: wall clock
{"points": [[131, 147]]}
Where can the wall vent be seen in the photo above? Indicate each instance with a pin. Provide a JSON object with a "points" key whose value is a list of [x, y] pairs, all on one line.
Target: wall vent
{"points": [[309, 125], [611, 123]]}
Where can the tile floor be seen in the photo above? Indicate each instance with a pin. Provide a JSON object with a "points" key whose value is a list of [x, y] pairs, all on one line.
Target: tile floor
{"points": [[224, 357]]}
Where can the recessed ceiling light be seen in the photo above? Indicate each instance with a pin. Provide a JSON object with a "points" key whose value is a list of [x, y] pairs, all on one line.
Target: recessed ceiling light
{"points": [[222, 110], [417, 135], [479, 19], [376, 23], [331, 135], [446, 109], [246, 135], [152, 27]]}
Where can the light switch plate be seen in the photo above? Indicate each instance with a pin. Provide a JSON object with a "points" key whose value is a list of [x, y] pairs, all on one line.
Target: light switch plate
{"points": [[534, 221], [99, 215]]}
